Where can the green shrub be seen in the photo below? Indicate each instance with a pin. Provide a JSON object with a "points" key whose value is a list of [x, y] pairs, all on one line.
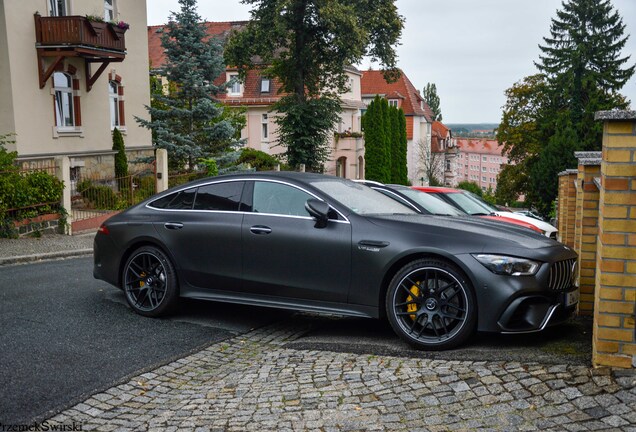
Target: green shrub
{"points": [[257, 159]]}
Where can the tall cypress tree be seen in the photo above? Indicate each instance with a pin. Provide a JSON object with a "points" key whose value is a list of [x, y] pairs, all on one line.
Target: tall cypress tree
{"points": [[582, 61], [187, 121], [375, 167], [395, 143], [402, 164]]}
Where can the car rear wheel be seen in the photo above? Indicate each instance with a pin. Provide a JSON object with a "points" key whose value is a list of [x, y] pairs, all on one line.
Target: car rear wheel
{"points": [[150, 282], [430, 305]]}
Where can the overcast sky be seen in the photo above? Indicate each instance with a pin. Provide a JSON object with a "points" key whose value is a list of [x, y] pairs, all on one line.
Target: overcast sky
{"points": [[472, 50]]}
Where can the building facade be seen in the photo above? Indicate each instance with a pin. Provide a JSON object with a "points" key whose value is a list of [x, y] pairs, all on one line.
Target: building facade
{"points": [[71, 72], [478, 161]]}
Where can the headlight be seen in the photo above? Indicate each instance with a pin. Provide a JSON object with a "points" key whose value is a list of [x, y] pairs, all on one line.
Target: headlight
{"points": [[506, 265]]}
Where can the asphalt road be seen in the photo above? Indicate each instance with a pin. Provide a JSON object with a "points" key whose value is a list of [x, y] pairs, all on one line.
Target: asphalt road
{"points": [[66, 335]]}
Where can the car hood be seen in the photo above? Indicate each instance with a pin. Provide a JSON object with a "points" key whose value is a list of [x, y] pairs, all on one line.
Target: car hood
{"points": [[467, 227], [543, 226]]}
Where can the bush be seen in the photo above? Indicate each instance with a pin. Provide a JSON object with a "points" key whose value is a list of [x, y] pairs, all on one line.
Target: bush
{"points": [[24, 195], [257, 159]]}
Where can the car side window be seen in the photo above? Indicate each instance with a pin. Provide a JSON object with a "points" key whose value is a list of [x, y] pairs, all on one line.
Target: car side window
{"points": [[224, 196], [278, 198], [181, 200]]}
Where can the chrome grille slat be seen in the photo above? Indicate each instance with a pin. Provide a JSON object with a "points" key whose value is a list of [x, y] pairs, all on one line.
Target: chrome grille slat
{"points": [[561, 275]]}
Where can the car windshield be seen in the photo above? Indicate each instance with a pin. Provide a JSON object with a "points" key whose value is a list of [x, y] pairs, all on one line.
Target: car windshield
{"points": [[470, 205], [360, 199], [430, 203]]}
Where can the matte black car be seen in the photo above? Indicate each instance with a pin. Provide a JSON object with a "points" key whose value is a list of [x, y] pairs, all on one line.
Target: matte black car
{"points": [[318, 243]]}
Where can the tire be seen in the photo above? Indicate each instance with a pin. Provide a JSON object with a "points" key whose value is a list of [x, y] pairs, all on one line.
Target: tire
{"points": [[430, 305], [150, 282]]}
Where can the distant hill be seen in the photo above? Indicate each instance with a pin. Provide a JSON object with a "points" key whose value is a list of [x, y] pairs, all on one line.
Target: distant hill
{"points": [[485, 130]]}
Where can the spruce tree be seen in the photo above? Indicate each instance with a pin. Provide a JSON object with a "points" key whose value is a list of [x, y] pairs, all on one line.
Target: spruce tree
{"points": [[582, 61], [188, 122]]}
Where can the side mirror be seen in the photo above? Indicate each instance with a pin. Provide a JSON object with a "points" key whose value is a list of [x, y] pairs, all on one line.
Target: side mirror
{"points": [[318, 210]]}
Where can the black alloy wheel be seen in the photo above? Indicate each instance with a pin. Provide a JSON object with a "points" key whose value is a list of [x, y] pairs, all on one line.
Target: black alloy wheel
{"points": [[149, 282], [430, 305]]}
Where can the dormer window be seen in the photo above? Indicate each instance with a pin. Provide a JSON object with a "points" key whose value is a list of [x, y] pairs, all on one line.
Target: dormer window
{"points": [[265, 85], [393, 103], [235, 89]]}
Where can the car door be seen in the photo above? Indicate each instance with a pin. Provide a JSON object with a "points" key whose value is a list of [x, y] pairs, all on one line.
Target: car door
{"points": [[285, 255], [201, 227]]}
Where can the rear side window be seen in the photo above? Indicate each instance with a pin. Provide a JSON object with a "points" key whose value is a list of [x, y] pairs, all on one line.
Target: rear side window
{"points": [[224, 196], [182, 200]]}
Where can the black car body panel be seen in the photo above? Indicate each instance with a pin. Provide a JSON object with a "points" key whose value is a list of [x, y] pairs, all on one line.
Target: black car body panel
{"points": [[249, 254]]}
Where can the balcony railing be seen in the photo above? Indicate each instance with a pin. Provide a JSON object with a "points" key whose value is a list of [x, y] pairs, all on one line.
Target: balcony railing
{"points": [[78, 31]]}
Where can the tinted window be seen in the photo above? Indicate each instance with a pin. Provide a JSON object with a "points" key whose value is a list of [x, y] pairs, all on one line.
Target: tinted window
{"points": [[182, 200], [219, 196], [277, 198]]}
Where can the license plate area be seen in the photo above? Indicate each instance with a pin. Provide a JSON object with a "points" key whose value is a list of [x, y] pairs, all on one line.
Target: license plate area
{"points": [[571, 298]]}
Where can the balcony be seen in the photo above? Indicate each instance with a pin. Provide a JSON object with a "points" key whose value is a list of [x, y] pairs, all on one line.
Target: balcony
{"points": [[75, 36]]}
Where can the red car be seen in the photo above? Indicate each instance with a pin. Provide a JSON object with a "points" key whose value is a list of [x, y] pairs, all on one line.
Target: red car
{"points": [[471, 207]]}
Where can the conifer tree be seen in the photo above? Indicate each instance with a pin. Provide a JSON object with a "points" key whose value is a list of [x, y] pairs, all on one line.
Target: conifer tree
{"points": [[121, 161], [376, 165], [403, 142], [187, 121], [582, 61]]}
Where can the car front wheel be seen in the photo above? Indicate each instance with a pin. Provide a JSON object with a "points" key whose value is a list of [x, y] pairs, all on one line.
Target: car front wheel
{"points": [[430, 305], [150, 282]]}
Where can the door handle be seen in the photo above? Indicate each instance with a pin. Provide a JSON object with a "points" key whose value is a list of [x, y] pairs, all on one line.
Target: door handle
{"points": [[173, 225], [260, 229]]}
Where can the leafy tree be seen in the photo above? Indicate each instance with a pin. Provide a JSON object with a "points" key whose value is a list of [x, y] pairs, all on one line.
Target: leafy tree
{"points": [[187, 121], [307, 45], [432, 100]]}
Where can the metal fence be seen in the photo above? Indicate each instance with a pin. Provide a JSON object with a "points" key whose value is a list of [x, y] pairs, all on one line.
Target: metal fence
{"points": [[94, 195]]}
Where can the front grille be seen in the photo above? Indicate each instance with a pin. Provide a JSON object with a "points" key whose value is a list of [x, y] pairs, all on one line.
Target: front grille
{"points": [[562, 274]]}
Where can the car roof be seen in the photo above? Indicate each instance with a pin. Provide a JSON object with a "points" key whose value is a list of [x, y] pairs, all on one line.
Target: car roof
{"points": [[436, 189]]}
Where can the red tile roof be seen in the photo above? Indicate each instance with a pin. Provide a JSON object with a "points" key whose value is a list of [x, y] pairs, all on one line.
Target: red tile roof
{"points": [[214, 29], [485, 146], [251, 87], [373, 82]]}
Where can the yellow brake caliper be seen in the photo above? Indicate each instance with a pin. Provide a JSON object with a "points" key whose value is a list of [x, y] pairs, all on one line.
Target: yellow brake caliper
{"points": [[413, 306]]}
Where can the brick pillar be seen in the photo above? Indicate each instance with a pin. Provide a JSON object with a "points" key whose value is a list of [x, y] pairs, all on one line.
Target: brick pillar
{"points": [[586, 225], [614, 338], [567, 206]]}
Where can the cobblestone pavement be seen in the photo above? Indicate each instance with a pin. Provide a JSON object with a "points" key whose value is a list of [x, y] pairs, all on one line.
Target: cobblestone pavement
{"points": [[253, 382]]}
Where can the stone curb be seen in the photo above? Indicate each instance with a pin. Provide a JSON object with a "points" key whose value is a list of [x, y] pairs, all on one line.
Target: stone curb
{"points": [[45, 256]]}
